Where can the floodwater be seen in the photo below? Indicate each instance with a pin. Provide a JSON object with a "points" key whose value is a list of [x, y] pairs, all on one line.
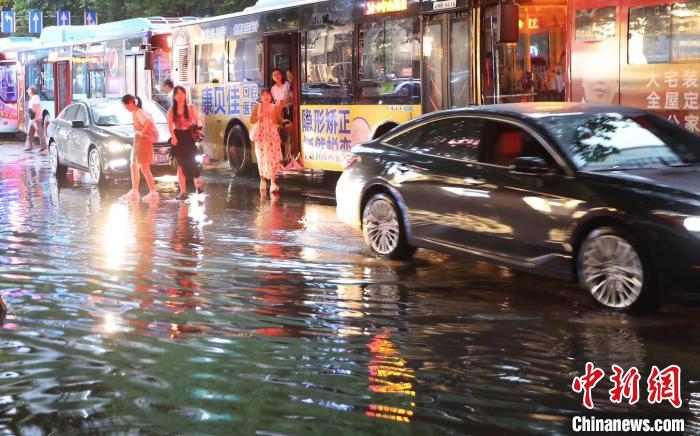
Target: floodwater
{"points": [[244, 314]]}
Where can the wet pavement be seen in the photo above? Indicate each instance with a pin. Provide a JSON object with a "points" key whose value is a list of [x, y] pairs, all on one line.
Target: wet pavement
{"points": [[245, 314]]}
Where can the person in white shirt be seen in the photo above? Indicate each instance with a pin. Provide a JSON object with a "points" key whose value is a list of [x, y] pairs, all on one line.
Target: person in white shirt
{"points": [[168, 87], [36, 121]]}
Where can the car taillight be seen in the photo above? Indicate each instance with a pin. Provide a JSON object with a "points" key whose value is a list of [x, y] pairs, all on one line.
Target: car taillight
{"points": [[351, 160]]}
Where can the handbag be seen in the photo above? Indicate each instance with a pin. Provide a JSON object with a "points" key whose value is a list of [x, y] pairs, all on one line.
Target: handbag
{"points": [[197, 132], [31, 114], [254, 126]]}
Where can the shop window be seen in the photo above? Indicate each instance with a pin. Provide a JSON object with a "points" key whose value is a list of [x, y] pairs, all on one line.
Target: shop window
{"points": [[389, 62], [209, 63], [595, 24], [327, 65]]}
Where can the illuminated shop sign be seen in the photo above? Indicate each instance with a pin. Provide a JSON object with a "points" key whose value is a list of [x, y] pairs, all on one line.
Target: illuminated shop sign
{"points": [[373, 7]]}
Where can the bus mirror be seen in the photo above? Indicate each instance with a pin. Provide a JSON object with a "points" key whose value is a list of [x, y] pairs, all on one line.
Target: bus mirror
{"points": [[149, 60], [508, 22]]}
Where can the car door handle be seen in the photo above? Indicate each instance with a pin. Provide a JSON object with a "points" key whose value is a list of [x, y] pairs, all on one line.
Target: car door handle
{"points": [[473, 181]]}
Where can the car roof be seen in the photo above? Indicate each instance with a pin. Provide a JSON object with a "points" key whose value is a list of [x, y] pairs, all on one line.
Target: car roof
{"points": [[539, 109]]}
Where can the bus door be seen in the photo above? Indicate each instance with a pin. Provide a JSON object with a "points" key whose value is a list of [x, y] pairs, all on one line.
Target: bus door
{"points": [[533, 68], [447, 68], [282, 51], [62, 86], [137, 78], [595, 51]]}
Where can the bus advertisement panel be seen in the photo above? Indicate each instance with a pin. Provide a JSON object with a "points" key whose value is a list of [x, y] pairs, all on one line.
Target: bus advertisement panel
{"points": [[638, 53]]}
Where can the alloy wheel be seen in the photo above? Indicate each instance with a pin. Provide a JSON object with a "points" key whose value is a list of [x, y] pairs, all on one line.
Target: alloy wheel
{"points": [[382, 226], [612, 271]]}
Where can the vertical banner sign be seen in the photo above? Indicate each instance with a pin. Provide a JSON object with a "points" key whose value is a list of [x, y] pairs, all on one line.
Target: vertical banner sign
{"points": [[8, 22], [36, 21], [90, 18], [63, 18]]}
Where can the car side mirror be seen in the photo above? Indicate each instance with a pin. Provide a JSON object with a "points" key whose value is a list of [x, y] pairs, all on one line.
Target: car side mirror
{"points": [[77, 124], [531, 165]]}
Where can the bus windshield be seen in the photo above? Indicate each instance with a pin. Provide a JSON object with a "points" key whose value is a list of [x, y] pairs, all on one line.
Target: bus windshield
{"points": [[611, 141], [113, 113], [8, 82]]}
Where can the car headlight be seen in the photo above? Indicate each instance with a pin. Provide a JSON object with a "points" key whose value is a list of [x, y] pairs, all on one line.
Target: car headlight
{"points": [[116, 146], [692, 224]]}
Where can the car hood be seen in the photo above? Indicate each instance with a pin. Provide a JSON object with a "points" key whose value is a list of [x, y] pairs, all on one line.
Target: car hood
{"points": [[126, 132], [685, 180]]}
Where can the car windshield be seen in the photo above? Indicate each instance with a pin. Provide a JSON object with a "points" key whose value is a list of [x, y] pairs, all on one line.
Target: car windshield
{"points": [[113, 113], [611, 141]]}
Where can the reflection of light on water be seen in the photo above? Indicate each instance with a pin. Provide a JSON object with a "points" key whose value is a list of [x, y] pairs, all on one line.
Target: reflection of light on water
{"points": [[109, 323], [350, 301], [196, 210], [388, 374], [166, 179], [115, 235]]}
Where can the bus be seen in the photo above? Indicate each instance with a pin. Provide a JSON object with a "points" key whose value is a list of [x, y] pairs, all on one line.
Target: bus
{"points": [[639, 53], [356, 74], [361, 67], [108, 60], [9, 90]]}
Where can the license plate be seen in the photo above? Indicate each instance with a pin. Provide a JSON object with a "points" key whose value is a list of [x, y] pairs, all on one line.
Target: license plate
{"points": [[162, 159]]}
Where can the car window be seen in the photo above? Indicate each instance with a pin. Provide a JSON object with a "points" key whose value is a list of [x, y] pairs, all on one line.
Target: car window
{"points": [[507, 142], [68, 113], [113, 113], [81, 115], [453, 137], [603, 141]]}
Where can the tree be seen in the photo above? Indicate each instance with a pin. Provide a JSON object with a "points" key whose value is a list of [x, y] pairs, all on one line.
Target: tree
{"points": [[116, 10]]}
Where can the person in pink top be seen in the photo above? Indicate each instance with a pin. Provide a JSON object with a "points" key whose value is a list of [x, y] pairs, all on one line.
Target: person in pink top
{"points": [[268, 117], [145, 134], [181, 117]]}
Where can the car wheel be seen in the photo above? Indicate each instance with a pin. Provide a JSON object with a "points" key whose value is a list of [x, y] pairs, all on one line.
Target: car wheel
{"points": [[614, 271], [238, 150], [56, 168], [95, 166], [383, 229]]}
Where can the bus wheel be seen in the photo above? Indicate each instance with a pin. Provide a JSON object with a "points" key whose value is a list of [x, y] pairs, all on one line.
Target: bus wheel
{"points": [[238, 150]]}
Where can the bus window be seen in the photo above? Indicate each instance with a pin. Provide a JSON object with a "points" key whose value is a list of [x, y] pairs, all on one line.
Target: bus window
{"points": [[327, 65], [245, 61], [47, 82], [389, 62], [649, 39], [685, 28], [595, 24], [209, 62], [8, 84]]}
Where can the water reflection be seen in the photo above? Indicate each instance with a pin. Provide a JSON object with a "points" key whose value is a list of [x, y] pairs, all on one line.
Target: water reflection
{"points": [[266, 313]]}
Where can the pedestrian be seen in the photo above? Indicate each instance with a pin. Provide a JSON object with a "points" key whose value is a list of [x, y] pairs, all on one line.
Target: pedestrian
{"points": [[36, 120], [145, 134], [168, 87], [283, 97], [267, 118], [182, 122]]}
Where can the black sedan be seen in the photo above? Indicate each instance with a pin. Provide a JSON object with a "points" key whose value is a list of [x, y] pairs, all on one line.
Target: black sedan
{"points": [[608, 196], [96, 135]]}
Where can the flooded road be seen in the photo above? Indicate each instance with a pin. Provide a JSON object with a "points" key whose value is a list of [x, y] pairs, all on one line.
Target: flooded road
{"points": [[244, 314]]}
